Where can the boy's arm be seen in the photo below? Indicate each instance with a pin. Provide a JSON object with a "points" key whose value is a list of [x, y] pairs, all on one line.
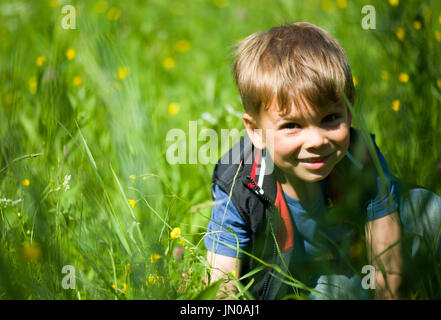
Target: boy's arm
{"points": [[381, 234], [220, 267]]}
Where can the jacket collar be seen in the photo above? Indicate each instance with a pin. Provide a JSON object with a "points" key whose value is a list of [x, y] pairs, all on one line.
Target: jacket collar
{"points": [[258, 173]]}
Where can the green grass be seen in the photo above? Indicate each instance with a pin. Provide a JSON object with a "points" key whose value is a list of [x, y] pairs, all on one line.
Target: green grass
{"points": [[113, 126]]}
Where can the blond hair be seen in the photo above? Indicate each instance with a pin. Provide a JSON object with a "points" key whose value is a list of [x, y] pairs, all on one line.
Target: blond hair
{"points": [[299, 64]]}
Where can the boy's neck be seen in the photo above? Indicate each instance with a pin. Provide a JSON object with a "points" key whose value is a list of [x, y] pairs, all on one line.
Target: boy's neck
{"points": [[305, 192]]}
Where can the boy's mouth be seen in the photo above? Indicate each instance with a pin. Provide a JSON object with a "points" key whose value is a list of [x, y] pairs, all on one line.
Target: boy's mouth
{"points": [[314, 163], [315, 159]]}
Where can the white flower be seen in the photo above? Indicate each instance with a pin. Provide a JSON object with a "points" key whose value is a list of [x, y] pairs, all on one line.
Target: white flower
{"points": [[9, 202], [66, 182]]}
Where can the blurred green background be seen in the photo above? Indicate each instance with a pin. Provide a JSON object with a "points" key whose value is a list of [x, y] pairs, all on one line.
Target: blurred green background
{"points": [[84, 115]]}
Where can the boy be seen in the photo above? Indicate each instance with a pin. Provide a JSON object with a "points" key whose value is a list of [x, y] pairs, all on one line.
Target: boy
{"points": [[303, 191]]}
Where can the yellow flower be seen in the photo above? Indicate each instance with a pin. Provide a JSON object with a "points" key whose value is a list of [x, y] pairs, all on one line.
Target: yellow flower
{"points": [[123, 72], [33, 85], [114, 14], [132, 203], [183, 46], [221, 3], [150, 279], [26, 182], [403, 77], [438, 36], [439, 19], [155, 257], [40, 61], [70, 53], [173, 108], [124, 288], [168, 63], [438, 82], [113, 286], [417, 25], [133, 178], [127, 269], [396, 105], [400, 33], [385, 75], [327, 5], [394, 3], [77, 81], [354, 79], [100, 7], [31, 252], [175, 233], [233, 273], [342, 3]]}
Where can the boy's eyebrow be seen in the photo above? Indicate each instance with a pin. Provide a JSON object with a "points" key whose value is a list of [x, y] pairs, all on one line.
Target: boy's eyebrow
{"points": [[298, 116], [288, 118]]}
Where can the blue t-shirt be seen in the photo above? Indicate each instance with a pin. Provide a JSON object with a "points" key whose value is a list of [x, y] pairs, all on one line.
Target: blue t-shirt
{"points": [[226, 230]]}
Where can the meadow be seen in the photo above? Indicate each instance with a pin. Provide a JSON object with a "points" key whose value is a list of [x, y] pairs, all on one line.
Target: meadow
{"points": [[84, 115]]}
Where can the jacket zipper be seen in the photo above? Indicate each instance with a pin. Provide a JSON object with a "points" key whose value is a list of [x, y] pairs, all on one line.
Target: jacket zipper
{"points": [[257, 190]]}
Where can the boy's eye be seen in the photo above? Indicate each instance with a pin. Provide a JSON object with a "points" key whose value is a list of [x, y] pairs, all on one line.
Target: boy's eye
{"points": [[290, 125], [331, 117]]}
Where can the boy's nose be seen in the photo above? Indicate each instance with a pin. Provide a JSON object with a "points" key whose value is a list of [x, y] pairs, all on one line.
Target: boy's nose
{"points": [[314, 139]]}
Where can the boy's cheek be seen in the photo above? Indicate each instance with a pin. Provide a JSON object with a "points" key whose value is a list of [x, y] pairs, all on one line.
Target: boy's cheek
{"points": [[278, 146], [346, 140], [341, 137], [284, 153]]}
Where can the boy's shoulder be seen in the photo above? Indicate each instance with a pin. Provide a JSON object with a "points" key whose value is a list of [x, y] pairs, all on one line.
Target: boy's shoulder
{"points": [[248, 166], [242, 173]]}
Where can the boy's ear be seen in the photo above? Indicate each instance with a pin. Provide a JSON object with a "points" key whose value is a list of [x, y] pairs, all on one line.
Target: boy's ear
{"points": [[254, 132]]}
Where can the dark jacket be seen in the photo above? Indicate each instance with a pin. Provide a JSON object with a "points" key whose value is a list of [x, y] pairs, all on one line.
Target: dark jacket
{"points": [[262, 206]]}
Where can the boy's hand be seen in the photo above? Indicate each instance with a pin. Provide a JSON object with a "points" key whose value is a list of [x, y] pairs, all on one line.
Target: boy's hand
{"points": [[383, 237], [220, 267]]}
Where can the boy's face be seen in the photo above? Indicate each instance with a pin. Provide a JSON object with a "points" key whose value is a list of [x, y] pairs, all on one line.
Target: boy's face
{"points": [[304, 145]]}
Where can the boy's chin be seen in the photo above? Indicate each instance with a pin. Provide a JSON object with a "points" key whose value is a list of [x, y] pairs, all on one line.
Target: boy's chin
{"points": [[313, 176], [307, 176]]}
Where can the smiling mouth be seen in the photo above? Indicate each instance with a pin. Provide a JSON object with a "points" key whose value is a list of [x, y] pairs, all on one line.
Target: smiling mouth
{"points": [[315, 159]]}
